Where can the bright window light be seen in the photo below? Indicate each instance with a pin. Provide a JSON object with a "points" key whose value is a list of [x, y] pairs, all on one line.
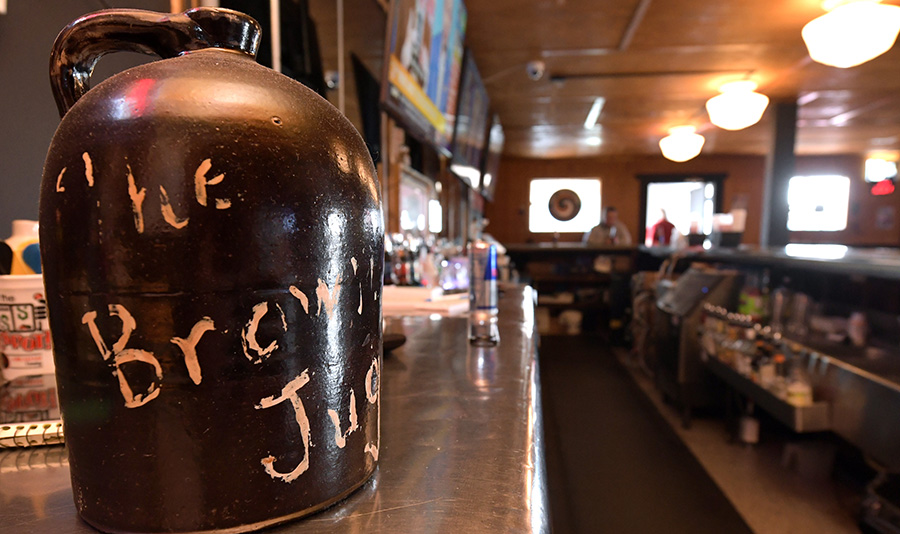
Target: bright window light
{"points": [[818, 203], [415, 192], [435, 217], [406, 222], [878, 169], [686, 204], [540, 220]]}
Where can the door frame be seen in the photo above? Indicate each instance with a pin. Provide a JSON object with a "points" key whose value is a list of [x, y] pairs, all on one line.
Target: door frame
{"points": [[646, 179]]}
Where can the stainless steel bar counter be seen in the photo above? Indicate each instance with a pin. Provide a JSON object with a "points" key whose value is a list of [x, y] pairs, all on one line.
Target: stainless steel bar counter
{"points": [[461, 442]]}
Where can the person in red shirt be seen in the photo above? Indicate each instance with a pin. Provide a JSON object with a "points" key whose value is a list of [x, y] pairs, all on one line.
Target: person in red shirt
{"points": [[660, 233]]}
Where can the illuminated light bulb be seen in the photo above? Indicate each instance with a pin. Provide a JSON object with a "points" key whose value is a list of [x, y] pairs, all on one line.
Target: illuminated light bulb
{"points": [[682, 143], [738, 107], [852, 33]]}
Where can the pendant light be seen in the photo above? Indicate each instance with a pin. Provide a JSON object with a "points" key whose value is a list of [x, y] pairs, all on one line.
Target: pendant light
{"points": [[738, 107], [682, 143], [852, 33]]}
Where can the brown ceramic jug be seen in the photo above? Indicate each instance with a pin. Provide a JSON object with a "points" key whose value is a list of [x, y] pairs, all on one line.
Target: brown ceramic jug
{"points": [[211, 234]]}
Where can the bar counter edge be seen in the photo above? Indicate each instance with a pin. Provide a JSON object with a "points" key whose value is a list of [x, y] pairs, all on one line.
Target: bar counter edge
{"points": [[462, 441]]}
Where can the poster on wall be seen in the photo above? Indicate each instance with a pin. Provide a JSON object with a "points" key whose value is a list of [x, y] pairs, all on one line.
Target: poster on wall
{"points": [[422, 68], [563, 205]]}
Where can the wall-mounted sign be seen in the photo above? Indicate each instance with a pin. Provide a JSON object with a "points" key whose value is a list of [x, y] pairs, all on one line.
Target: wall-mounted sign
{"points": [[564, 205]]}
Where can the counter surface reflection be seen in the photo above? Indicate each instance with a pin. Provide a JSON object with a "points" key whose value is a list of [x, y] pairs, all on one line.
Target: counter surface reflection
{"points": [[461, 442]]}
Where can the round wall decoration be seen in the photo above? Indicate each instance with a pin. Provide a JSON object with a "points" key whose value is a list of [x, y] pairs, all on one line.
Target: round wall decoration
{"points": [[564, 205]]}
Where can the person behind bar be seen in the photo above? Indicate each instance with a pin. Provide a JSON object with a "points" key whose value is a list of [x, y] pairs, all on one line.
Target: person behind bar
{"points": [[610, 231], [660, 233]]}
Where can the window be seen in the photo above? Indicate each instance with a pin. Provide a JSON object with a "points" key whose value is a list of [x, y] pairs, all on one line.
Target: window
{"points": [[564, 205], [689, 205], [878, 169], [818, 203]]}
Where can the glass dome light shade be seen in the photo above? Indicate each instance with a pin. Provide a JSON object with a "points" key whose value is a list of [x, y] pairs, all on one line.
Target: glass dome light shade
{"points": [[682, 144], [852, 33], [738, 107]]}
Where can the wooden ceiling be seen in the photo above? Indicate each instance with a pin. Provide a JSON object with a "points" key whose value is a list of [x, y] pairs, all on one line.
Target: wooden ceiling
{"points": [[656, 62]]}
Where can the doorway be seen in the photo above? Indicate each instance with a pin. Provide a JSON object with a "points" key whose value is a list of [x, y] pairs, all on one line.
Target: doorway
{"points": [[689, 202]]}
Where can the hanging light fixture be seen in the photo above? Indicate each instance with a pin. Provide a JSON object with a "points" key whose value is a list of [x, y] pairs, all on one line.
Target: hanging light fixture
{"points": [[738, 107], [852, 33], [682, 143]]}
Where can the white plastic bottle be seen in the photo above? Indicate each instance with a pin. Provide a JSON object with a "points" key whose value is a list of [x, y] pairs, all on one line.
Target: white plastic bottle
{"points": [[24, 234]]}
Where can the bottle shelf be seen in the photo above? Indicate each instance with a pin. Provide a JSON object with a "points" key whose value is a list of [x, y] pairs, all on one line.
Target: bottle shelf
{"points": [[813, 418]]}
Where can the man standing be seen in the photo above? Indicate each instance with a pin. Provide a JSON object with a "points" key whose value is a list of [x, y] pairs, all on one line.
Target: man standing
{"points": [[610, 231], [661, 231]]}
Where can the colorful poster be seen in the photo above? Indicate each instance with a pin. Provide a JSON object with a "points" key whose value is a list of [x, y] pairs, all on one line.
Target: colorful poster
{"points": [[424, 53]]}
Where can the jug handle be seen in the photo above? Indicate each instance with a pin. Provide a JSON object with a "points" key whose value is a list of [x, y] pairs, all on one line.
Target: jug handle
{"points": [[82, 43]]}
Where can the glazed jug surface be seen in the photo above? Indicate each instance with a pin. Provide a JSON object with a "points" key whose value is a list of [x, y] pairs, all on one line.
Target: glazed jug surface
{"points": [[212, 243]]}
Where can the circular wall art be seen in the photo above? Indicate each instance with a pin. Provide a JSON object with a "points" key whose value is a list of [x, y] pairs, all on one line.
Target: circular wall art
{"points": [[564, 205]]}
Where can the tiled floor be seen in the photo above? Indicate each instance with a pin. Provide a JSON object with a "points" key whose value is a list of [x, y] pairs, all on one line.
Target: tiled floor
{"points": [[772, 499]]}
